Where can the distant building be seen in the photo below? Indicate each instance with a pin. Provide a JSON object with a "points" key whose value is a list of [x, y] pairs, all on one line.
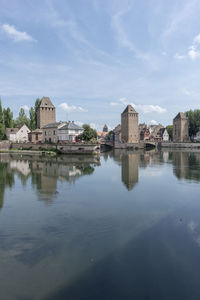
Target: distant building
{"points": [[180, 128], [35, 136], [117, 133], [19, 135], [50, 132], [197, 137], [61, 131], [154, 131], [69, 132], [46, 113], [129, 125], [163, 135], [145, 134], [105, 129], [101, 134]]}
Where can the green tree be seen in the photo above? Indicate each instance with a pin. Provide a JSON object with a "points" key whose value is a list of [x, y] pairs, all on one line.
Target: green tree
{"points": [[22, 119], [170, 131], [194, 121], [8, 118], [88, 133], [2, 125], [32, 118]]}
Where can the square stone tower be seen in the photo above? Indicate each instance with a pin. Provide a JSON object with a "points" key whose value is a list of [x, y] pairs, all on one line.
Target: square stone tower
{"points": [[46, 112], [129, 125], [180, 128]]}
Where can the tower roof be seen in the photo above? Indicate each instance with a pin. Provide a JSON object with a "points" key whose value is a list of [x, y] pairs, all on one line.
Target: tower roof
{"points": [[180, 116], [46, 102], [129, 109]]}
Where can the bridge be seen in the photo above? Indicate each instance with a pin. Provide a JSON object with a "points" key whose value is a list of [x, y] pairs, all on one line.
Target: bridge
{"points": [[142, 145]]}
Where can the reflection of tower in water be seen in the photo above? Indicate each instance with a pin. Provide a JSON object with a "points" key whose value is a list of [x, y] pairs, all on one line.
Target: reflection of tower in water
{"points": [[130, 170]]}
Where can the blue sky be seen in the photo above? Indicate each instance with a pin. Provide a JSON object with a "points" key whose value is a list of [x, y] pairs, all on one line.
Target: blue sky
{"points": [[93, 57]]}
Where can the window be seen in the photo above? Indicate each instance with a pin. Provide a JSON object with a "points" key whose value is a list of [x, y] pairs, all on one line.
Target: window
{"points": [[36, 137], [45, 133], [54, 132]]}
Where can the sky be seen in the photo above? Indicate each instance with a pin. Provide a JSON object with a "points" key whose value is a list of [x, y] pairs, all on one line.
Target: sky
{"points": [[93, 57]]}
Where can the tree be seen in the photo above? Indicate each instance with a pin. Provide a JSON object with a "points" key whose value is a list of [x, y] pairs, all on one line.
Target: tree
{"points": [[194, 121], [32, 118], [2, 125], [22, 119], [170, 131], [8, 118], [88, 133], [37, 104]]}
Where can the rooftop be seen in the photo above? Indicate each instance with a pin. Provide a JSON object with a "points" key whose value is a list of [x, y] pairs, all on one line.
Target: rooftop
{"points": [[129, 109], [46, 102]]}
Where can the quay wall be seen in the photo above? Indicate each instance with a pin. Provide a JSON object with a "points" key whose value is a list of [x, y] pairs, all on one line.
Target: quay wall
{"points": [[139, 145], [179, 145], [78, 148], [5, 145]]}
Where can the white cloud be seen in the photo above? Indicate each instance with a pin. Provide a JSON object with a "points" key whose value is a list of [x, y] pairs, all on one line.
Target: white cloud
{"points": [[144, 108], [178, 56], [25, 107], [154, 122], [15, 34], [193, 53], [70, 108]]}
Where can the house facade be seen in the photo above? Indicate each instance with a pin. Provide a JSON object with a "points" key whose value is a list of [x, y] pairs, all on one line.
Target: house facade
{"points": [[69, 132], [60, 131], [35, 136], [19, 135]]}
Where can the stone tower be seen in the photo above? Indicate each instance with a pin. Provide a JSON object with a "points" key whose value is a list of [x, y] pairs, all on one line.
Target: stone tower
{"points": [[129, 125], [105, 128], [180, 128], [46, 113]]}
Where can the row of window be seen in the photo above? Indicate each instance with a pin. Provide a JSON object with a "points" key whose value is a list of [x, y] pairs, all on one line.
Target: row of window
{"points": [[49, 133]]}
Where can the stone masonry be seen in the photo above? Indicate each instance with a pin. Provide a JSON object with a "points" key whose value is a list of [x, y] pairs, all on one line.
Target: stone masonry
{"points": [[180, 128], [46, 113], [129, 126]]}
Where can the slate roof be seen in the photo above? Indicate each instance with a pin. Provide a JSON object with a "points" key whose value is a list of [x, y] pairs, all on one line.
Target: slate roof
{"points": [[129, 109], [46, 102], [71, 125], [52, 125]]}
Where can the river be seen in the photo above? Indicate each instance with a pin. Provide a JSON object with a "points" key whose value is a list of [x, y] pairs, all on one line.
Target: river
{"points": [[125, 225]]}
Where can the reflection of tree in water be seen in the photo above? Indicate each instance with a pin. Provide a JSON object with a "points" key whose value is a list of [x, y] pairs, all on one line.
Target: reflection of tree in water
{"points": [[186, 165], [6, 180]]}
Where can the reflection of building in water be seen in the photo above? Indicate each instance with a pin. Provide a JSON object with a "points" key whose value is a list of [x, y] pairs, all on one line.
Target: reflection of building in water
{"points": [[21, 166], [186, 165], [45, 175], [130, 170]]}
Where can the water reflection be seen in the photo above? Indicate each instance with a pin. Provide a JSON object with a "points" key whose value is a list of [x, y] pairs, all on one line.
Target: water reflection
{"points": [[44, 172]]}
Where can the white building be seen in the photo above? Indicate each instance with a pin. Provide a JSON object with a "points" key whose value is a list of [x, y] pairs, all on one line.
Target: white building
{"points": [[19, 135], [197, 137], [69, 132], [61, 131]]}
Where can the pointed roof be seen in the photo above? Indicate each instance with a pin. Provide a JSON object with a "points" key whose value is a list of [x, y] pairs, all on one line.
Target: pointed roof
{"points": [[180, 116], [46, 102], [129, 109]]}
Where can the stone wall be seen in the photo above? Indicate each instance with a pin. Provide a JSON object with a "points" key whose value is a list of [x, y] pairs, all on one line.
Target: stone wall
{"points": [[180, 145], [5, 145]]}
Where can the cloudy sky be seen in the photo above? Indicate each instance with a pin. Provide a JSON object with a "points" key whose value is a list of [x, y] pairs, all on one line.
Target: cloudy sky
{"points": [[93, 57]]}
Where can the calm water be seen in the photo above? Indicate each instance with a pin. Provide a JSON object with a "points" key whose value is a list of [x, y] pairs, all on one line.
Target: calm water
{"points": [[124, 226]]}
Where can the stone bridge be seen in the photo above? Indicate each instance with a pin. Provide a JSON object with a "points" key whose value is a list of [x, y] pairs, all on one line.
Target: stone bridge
{"points": [[141, 144]]}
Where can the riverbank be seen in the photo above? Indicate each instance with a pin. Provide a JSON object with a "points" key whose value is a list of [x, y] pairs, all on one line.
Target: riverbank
{"points": [[70, 148]]}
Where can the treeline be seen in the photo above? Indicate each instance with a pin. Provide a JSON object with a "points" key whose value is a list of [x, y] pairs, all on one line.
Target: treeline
{"points": [[7, 121]]}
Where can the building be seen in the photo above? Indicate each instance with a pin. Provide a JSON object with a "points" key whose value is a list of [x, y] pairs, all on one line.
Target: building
{"points": [[163, 135], [101, 134], [19, 135], [35, 136], [180, 128], [105, 128], [145, 134], [61, 131], [117, 133], [50, 132], [69, 132], [46, 113], [197, 137], [129, 125], [155, 131]]}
